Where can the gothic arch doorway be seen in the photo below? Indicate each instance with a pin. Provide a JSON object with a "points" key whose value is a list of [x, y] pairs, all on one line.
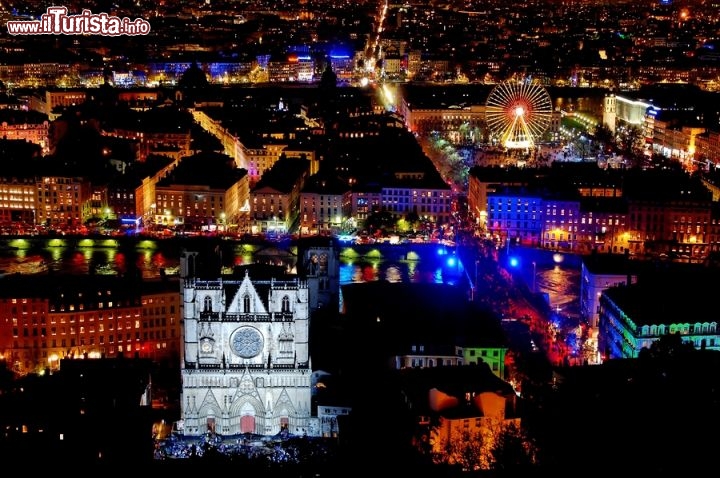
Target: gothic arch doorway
{"points": [[247, 424]]}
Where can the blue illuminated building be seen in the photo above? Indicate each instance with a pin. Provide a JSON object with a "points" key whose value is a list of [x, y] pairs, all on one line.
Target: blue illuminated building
{"points": [[515, 214]]}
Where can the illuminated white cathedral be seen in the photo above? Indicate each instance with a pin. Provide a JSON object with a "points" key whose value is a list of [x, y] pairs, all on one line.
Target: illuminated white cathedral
{"points": [[246, 366]]}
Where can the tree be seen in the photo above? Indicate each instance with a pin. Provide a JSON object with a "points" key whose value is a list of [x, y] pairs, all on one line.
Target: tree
{"points": [[411, 221], [633, 139], [379, 220], [513, 451], [667, 347], [604, 135], [6, 376], [499, 446], [464, 449]]}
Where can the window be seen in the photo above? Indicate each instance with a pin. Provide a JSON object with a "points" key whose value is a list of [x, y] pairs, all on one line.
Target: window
{"points": [[246, 303], [207, 304], [286, 304]]}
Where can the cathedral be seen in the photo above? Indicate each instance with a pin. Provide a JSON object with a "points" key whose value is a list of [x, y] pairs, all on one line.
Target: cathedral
{"points": [[245, 364], [246, 367]]}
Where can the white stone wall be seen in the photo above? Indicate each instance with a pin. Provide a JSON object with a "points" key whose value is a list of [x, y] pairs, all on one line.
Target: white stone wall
{"points": [[246, 370]]}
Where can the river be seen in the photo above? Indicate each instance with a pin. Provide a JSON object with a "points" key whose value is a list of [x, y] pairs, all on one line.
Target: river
{"points": [[415, 263], [556, 274]]}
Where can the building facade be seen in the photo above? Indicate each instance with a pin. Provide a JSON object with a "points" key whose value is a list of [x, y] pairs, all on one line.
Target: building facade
{"points": [[598, 272], [633, 317], [246, 363], [62, 201], [516, 215], [48, 318], [275, 201]]}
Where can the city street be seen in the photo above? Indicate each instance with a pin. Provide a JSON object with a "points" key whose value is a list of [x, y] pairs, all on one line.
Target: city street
{"points": [[535, 292]]}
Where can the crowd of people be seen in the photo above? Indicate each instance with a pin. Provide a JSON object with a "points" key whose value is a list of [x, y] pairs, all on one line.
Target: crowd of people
{"points": [[281, 449]]}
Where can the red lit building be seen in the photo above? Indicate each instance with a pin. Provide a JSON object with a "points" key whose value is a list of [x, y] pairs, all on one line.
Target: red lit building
{"points": [[47, 318]]}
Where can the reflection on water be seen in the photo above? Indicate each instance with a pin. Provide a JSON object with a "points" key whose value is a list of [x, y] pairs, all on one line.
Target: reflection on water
{"points": [[556, 274], [562, 284], [33, 264], [83, 260], [410, 271], [418, 265], [111, 261]]}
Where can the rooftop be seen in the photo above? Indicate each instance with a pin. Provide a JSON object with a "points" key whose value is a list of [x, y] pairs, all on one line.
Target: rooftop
{"points": [[212, 169], [668, 294], [611, 264]]}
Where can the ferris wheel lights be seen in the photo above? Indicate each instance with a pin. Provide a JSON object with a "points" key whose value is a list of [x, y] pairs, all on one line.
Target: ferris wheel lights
{"points": [[518, 113]]}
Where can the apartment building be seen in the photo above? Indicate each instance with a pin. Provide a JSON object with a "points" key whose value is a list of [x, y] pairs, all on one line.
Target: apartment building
{"points": [[47, 318]]}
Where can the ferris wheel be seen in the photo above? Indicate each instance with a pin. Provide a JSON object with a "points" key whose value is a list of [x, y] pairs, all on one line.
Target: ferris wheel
{"points": [[518, 113]]}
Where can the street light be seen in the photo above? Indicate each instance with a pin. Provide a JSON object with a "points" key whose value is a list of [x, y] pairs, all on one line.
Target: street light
{"points": [[473, 289], [534, 264], [476, 264]]}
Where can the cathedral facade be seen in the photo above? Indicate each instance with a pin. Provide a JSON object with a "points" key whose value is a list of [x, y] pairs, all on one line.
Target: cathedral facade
{"points": [[246, 366]]}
